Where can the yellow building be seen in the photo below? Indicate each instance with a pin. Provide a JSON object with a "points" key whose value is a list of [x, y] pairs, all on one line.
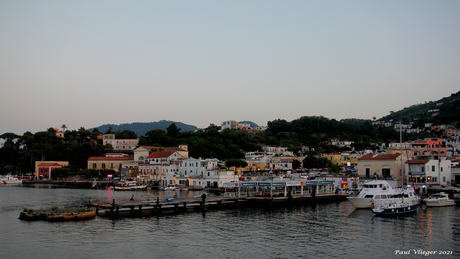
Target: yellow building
{"points": [[334, 158], [109, 163]]}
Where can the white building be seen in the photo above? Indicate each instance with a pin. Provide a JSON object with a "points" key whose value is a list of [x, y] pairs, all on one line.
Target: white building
{"points": [[119, 144], [228, 125], [278, 151], [429, 172], [161, 166], [341, 143]]}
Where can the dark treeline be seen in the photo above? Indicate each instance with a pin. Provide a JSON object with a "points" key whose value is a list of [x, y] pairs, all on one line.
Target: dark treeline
{"points": [[19, 153]]}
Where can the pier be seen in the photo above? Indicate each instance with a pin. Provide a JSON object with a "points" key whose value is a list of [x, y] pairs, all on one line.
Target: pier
{"points": [[147, 208]]}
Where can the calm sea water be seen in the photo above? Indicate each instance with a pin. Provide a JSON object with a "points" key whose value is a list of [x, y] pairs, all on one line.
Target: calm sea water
{"points": [[332, 230]]}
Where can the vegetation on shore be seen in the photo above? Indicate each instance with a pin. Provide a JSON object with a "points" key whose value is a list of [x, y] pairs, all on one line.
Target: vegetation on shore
{"points": [[19, 152]]}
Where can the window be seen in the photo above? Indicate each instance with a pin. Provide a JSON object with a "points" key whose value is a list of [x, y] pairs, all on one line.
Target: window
{"points": [[111, 165], [385, 172], [94, 165], [103, 165], [433, 168]]}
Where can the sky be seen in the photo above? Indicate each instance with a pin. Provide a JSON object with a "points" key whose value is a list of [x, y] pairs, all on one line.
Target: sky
{"points": [[89, 63]]}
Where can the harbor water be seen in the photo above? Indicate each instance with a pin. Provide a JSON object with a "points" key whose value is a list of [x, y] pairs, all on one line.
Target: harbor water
{"points": [[328, 230]]}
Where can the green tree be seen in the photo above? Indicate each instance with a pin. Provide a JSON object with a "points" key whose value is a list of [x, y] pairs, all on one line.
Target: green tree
{"points": [[173, 131], [296, 164], [237, 163]]}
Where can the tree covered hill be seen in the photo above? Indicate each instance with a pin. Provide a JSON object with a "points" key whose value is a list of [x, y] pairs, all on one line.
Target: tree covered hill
{"points": [[141, 128], [444, 111]]}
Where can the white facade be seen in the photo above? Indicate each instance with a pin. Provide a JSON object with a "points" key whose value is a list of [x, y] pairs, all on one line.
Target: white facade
{"points": [[278, 151], [430, 172], [119, 144], [342, 143], [228, 125]]}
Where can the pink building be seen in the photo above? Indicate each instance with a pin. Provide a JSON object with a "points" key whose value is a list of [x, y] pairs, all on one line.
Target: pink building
{"points": [[428, 149], [44, 169]]}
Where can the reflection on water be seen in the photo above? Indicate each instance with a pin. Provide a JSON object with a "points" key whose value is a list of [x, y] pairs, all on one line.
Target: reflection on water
{"points": [[317, 231]]}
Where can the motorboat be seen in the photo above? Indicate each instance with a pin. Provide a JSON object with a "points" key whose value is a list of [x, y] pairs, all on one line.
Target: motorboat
{"points": [[394, 206], [380, 189], [130, 186], [9, 179], [170, 187], [439, 200]]}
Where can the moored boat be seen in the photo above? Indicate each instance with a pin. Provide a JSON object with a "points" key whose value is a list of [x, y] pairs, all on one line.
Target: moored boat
{"points": [[129, 186], [58, 215], [394, 206], [9, 179], [270, 192], [380, 189], [439, 200]]}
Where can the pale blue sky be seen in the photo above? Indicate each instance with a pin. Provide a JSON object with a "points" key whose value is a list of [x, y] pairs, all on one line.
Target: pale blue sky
{"points": [[88, 63]]}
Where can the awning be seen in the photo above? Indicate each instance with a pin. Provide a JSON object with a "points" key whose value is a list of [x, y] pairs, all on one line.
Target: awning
{"points": [[417, 173]]}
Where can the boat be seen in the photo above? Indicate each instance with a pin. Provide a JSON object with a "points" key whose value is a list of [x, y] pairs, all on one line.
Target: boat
{"points": [[9, 179], [170, 187], [283, 191], [55, 214], [395, 206], [129, 186], [439, 200], [381, 189]]}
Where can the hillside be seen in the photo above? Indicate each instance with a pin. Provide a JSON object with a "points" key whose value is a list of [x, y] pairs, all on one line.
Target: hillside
{"points": [[140, 128], [443, 111]]}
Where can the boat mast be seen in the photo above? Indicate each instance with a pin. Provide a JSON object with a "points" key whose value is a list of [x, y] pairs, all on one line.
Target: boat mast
{"points": [[400, 145]]}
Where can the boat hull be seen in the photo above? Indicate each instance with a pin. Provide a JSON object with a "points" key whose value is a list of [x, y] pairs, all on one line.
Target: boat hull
{"points": [[439, 203], [396, 211], [360, 203]]}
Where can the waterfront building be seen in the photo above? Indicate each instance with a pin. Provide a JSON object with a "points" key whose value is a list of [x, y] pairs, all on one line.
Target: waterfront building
{"points": [[432, 173], [203, 173], [44, 168], [160, 166], [110, 162], [382, 166]]}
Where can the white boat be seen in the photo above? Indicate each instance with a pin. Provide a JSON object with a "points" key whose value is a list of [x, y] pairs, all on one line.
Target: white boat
{"points": [[171, 187], [439, 200], [380, 189], [394, 206], [129, 186], [9, 179]]}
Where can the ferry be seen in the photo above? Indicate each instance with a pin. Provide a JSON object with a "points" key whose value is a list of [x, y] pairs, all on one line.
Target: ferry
{"points": [[269, 192], [380, 189]]}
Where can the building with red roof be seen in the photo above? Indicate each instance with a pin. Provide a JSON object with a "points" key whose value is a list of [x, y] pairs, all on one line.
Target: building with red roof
{"points": [[434, 173], [382, 166], [45, 168]]}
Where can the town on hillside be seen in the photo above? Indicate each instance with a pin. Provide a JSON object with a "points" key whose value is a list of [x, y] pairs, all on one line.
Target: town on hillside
{"points": [[424, 163]]}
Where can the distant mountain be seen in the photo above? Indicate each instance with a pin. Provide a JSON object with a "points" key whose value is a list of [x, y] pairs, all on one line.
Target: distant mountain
{"points": [[141, 128], [250, 123]]}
